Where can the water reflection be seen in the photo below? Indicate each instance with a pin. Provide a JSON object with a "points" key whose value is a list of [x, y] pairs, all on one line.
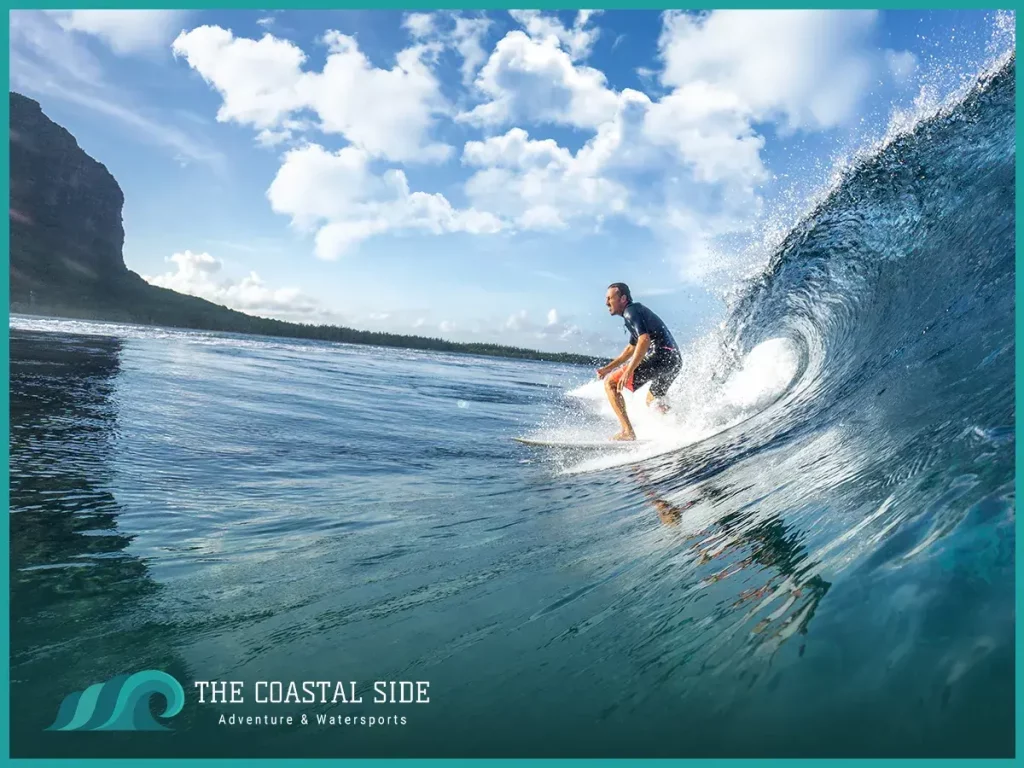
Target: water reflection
{"points": [[744, 542], [69, 561]]}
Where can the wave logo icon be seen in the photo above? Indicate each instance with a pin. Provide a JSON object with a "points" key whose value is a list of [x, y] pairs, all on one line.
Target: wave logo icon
{"points": [[120, 704]]}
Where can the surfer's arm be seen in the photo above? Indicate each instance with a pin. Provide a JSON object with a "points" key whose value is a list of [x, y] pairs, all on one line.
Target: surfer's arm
{"points": [[623, 357], [642, 345]]}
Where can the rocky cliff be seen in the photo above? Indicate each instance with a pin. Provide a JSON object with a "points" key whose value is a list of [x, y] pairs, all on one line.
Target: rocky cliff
{"points": [[67, 237], [65, 212]]}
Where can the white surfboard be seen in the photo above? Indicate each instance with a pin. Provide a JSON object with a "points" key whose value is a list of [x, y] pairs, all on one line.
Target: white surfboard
{"points": [[582, 444]]}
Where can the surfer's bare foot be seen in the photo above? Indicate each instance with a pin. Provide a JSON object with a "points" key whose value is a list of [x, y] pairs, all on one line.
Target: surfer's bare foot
{"points": [[624, 436]]}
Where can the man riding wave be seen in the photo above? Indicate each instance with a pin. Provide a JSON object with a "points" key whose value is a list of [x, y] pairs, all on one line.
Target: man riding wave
{"points": [[651, 356]]}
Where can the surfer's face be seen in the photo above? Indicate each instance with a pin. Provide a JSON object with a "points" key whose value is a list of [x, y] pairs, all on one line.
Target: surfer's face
{"points": [[615, 301]]}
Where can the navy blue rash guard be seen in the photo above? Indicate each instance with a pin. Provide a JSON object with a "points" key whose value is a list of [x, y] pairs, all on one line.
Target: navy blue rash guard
{"points": [[640, 320]]}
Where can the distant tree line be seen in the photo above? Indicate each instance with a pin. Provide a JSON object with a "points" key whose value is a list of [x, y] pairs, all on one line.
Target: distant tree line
{"points": [[323, 332], [134, 301]]}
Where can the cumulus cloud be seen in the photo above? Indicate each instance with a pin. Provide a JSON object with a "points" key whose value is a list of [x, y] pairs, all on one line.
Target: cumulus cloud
{"points": [[685, 163], [710, 130], [730, 70], [389, 113], [559, 327], [467, 38], [808, 68], [577, 41], [419, 25], [534, 79], [454, 31], [127, 31], [199, 274], [697, 147], [340, 197], [726, 73], [517, 321], [553, 327], [538, 184]]}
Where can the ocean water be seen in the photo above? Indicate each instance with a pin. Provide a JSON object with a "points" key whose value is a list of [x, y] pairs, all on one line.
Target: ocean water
{"points": [[812, 555]]}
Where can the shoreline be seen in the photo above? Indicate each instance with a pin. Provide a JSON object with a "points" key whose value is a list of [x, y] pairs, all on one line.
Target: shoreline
{"points": [[430, 345]]}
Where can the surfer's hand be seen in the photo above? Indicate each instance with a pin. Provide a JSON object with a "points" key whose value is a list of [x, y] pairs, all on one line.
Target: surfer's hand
{"points": [[602, 372]]}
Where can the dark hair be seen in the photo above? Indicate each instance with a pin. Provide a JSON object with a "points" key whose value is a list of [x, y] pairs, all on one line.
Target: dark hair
{"points": [[623, 289]]}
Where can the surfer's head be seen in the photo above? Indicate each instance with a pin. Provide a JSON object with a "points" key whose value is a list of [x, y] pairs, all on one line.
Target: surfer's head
{"points": [[617, 298]]}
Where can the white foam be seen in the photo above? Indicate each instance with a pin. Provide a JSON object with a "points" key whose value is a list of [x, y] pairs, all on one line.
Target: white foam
{"points": [[700, 407], [765, 374]]}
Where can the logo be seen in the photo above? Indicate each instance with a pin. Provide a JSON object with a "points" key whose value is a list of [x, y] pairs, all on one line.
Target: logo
{"points": [[120, 704]]}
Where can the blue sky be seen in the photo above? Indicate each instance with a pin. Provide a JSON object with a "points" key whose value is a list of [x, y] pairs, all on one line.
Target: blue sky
{"points": [[478, 176]]}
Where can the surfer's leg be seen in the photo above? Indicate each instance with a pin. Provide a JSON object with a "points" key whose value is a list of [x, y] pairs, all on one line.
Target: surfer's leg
{"points": [[649, 371], [656, 402], [618, 405], [655, 399], [661, 380]]}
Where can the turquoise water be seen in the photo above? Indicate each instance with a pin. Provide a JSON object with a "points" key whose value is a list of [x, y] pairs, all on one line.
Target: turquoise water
{"points": [[242, 509]]}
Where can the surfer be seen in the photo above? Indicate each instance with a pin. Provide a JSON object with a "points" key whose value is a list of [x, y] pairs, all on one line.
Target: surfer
{"points": [[650, 356]]}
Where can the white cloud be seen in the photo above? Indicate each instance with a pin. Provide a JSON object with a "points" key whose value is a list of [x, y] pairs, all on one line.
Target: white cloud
{"points": [[517, 321], [515, 150], [531, 79], [198, 274], [687, 164], [554, 327], [729, 71], [258, 79], [565, 332], [539, 184], [127, 31], [467, 39], [697, 149], [338, 195], [446, 326], [710, 129], [419, 25], [389, 113], [455, 31], [577, 41], [808, 68], [544, 186]]}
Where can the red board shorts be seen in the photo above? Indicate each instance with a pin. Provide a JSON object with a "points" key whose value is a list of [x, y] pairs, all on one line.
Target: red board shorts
{"points": [[661, 369]]}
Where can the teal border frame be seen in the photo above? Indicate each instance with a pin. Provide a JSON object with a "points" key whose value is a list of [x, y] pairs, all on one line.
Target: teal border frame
{"points": [[655, 5]]}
